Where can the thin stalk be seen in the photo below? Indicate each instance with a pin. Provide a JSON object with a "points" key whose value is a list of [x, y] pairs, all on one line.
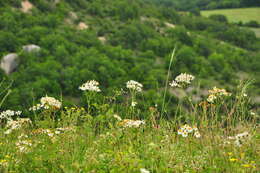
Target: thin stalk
{"points": [[167, 80]]}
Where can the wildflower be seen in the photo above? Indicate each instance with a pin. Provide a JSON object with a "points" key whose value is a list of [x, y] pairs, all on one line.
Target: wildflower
{"points": [[23, 146], [247, 165], [233, 160], [182, 80], [47, 103], [186, 129], [50, 102], [211, 98], [216, 93], [8, 114], [197, 135], [3, 162], [135, 86], [17, 124], [143, 170], [117, 117], [132, 123], [36, 107], [133, 104], [252, 113], [239, 139], [229, 153], [174, 84], [91, 85]]}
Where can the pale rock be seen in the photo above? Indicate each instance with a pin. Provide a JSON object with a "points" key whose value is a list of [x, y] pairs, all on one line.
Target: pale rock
{"points": [[9, 63], [102, 39], [82, 26], [31, 48], [170, 25], [26, 6]]}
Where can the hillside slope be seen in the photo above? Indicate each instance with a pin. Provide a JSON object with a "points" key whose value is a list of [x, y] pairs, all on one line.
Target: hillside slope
{"points": [[113, 42]]}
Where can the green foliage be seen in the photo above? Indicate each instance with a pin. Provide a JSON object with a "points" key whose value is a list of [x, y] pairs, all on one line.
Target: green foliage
{"points": [[219, 18], [139, 38]]}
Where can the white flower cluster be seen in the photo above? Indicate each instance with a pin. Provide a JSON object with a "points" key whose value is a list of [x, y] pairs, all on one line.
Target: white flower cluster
{"points": [[8, 114], [117, 117], [133, 85], [17, 124], [52, 133], [239, 139], [47, 103], [217, 93], [133, 104], [132, 123], [182, 80], [91, 85], [186, 129], [23, 145], [143, 170]]}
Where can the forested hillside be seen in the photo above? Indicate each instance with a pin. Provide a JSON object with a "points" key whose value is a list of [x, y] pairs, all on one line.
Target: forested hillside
{"points": [[113, 42]]}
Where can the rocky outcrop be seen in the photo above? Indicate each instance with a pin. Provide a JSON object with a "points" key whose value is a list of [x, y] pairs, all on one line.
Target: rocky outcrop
{"points": [[9, 63], [31, 48], [26, 6], [169, 25], [82, 26], [102, 39]]}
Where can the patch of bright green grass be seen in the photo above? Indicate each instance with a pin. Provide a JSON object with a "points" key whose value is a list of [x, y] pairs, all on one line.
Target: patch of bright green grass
{"points": [[236, 15]]}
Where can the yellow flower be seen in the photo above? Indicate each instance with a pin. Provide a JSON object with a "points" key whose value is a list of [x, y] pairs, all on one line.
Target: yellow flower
{"points": [[242, 155], [233, 159], [229, 153], [3, 161], [247, 166]]}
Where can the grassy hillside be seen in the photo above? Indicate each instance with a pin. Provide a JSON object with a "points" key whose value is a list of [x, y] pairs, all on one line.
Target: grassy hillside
{"points": [[236, 15]]}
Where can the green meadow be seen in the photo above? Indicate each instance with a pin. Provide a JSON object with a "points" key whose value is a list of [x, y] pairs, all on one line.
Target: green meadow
{"points": [[236, 15]]}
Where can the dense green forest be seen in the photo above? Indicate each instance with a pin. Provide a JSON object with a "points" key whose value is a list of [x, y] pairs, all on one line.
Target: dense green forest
{"points": [[121, 40], [205, 4]]}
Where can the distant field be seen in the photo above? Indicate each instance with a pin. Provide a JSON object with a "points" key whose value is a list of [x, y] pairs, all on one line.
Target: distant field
{"points": [[257, 31], [236, 15]]}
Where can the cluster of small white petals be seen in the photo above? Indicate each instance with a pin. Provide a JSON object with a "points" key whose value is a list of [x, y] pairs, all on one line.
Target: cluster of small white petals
{"points": [[238, 139], [53, 132], [132, 123], [182, 80], [8, 114], [47, 103], [23, 146], [16, 124], [117, 117], [241, 138], [174, 84], [186, 130], [133, 104], [133, 85], [143, 170], [216, 93], [211, 98], [91, 85], [36, 107], [50, 102]]}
